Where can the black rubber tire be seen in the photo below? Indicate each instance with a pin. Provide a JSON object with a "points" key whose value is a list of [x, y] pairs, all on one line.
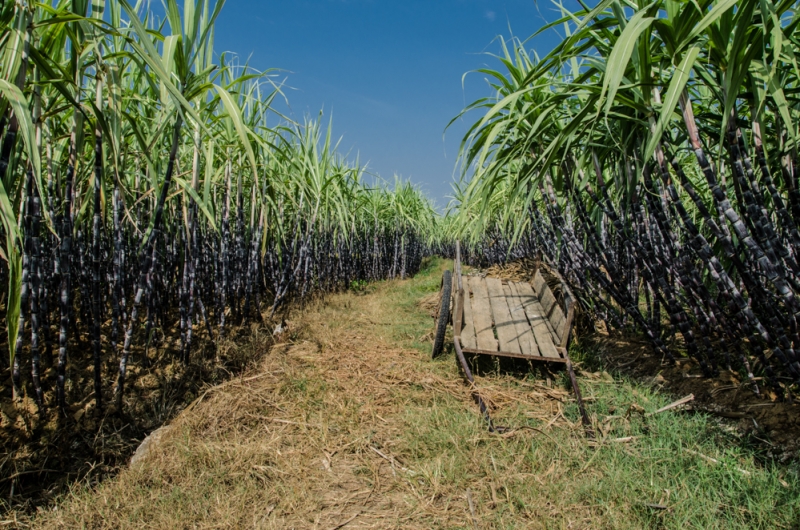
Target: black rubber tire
{"points": [[443, 318]]}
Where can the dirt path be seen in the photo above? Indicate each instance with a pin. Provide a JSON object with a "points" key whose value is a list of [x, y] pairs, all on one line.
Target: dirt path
{"points": [[349, 425]]}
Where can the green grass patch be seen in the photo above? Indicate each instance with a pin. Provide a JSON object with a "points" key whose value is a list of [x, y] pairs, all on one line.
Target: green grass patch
{"points": [[671, 470]]}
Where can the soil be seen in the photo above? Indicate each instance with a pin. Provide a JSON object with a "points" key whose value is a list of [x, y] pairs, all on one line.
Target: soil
{"points": [[44, 452]]}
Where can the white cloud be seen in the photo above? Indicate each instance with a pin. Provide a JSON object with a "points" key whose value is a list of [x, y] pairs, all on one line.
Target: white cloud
{"points": [[490, 16]]}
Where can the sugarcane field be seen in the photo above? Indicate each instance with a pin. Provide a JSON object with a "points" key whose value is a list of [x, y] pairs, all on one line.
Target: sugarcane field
{"points": [[352, 264]]}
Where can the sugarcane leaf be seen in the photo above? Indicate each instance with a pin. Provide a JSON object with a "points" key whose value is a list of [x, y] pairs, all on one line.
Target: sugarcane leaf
{"points": [[169, 49], [235, 114], [200, 202], [680, 77], [20, 107], [173, 16], [775, 90], [209, 174], [207, 29], [506, 102], [620, 57], [7, 217], [144, 47], [741, 51], [13, 304], [712, 16], [47, 66]]}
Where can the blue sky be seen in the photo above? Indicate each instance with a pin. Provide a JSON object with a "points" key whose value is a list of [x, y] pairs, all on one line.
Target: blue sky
{"points": [[390, 71]]}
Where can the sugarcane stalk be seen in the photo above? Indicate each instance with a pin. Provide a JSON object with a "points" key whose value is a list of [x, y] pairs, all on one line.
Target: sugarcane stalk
{"points": [[146, 262], [96, 260]]}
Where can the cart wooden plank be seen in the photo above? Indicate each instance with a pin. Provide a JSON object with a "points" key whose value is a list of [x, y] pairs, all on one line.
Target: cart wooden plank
{"points": [[506, 330], [548, 322], [538, 284], [527, 343], [538, 320], [517, 356], [547, 300], [468, 338], [454, 306], [482, 314], [557, 320]]}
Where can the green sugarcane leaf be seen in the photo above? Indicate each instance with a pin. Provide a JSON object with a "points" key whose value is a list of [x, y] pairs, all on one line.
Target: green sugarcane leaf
{"points": [[171, 44], [679, 79], [507, 101], [206, 28], [620, 57], [7, 217], [775, 90], [712, 16], [20, 106], [14, 301], [13, 47], [234, 112], [209, 173], [200, 202], [174, 17], [144, 147], [147, 51]]}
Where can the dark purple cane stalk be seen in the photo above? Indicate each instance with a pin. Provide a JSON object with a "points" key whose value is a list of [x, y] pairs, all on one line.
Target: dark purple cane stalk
{"points": [[146, 262], [65, 266], [35, 216], [96, 278], [116, 282]]}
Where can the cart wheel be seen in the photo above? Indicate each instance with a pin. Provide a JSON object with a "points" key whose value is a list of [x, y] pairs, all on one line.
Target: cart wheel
{"points": [[444, 313]]}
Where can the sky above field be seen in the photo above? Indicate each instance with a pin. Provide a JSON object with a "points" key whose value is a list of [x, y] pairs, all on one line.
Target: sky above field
{"points": [[389, 71]]}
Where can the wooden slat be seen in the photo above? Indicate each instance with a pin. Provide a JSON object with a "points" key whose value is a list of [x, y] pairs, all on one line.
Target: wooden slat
{"points": [[482, 314], [557, 321], [516, 355], [552, 332], [561, 331], [539, 324], [453, 306], [506, 330], [547, 300], [458, 314], [527, 344], [468, 339], [538, 284]]}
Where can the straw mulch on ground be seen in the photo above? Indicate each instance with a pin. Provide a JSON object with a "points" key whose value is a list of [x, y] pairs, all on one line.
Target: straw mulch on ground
{"points": [[321, 435]]}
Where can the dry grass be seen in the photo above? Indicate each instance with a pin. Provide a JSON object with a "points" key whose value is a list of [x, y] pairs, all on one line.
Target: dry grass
{"points": [[350, 425], [43, 452]]}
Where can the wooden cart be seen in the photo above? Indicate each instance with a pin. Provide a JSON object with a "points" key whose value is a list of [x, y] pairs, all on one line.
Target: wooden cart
{"points": [[510, 319]]}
